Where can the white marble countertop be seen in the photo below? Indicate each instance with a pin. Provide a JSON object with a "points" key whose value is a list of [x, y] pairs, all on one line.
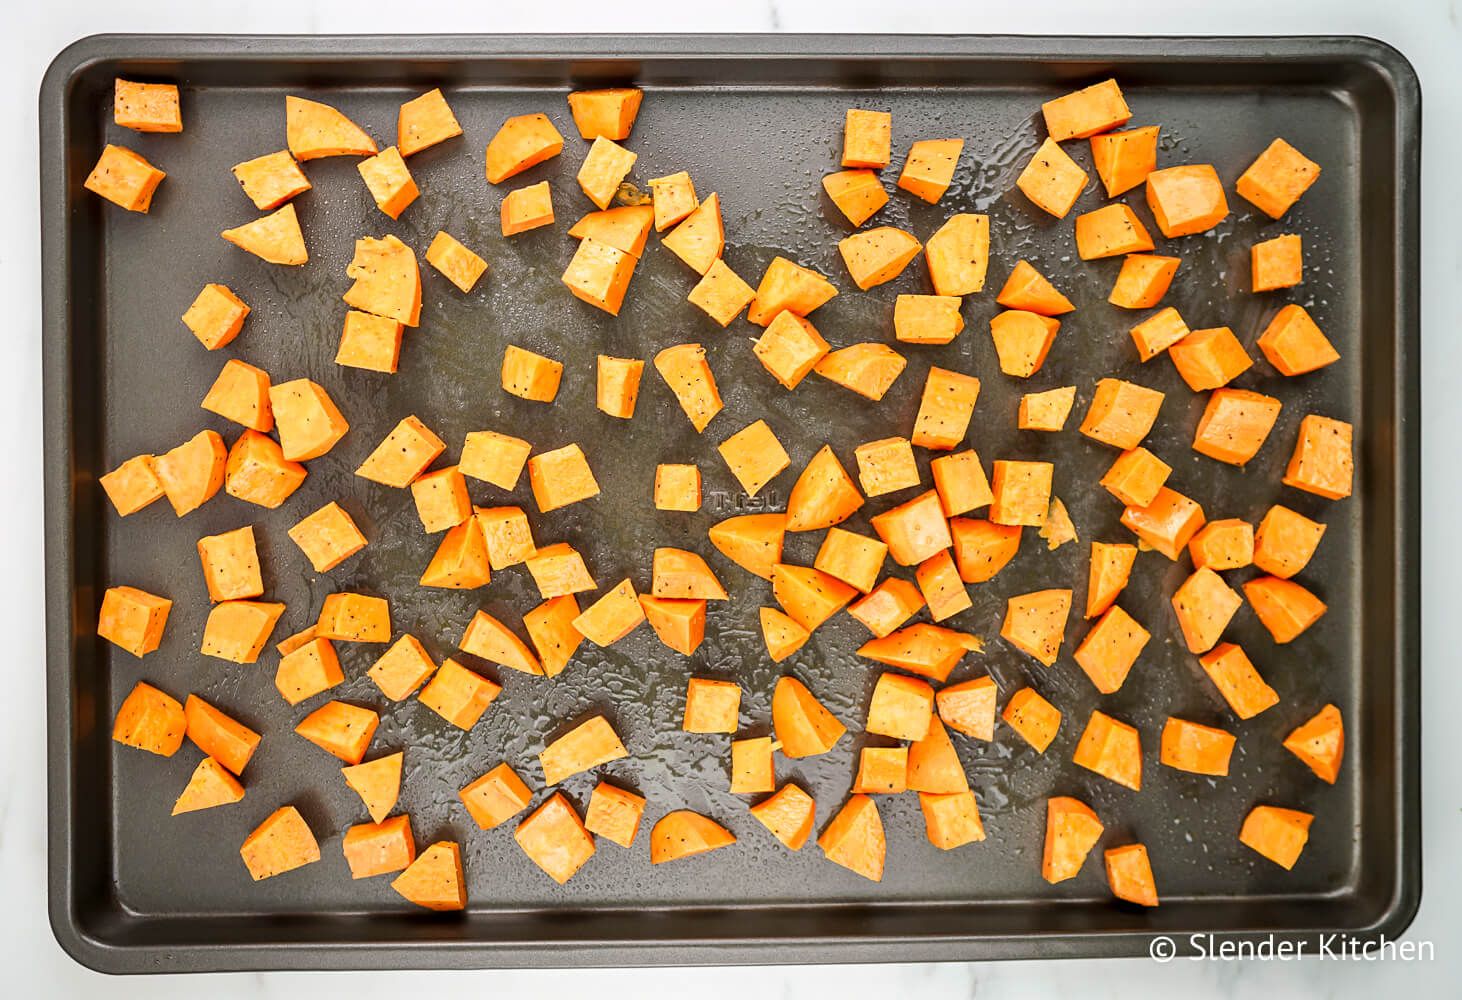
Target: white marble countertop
{"points": [[1426, 31]]}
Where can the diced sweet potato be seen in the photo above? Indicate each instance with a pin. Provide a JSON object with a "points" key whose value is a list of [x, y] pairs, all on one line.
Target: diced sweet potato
{"points": [[402, 668], [1111, 231], [887, 606], [850, 557], [1072, 830], [133, 619], [613, 616], [1278, 834], [1129, 874], [751, 541], [868, 369], [1209, 359], [271, 180], [782, 634], [531, 207], [308, 670], [1225, 544], [679, 623], [124, 178], [493, 458], [241, 394], [1320, 743], [1285, 542], [530, 376], [1022, 340], [958, 255], [1111, 568], [1159, 332], [1322, 463], [490, 639], [614, 814], [1136, 476], [389, 182], [1058, 528], [808, 595], [1085, 112], [1052, 180], [150, 720], [341, 729], [460, 561], [1277, 179], [609, 112], [928, 650], [927, 319], [434, 880], [522, 141], [969, 707], [1124, 159], [684, 834], [1021, 492], [274, 238], [858, 194], [886, 466], [457, 264], [824, 494], [257, 472], [425, 121], [882, 771], [678, 487], [379, 848], [752, 769], [561, 477], [1035, 623], [605, 166], [369, 342], [1110, 649], [951, 820], [940, 583], [403, 455], [1204, 604], [960, 481], [1186, 199], [193, 472], [789, 348], [441, 499], [1167, 524], [934, 766], [211, 785], [386, 279], [686, 371], [282, 843], [1143, 280], [377, 782], [901, 707], [314, 130], [855, 839], [1286, 608], [982, 548], [929, 167], [496, 797], [586, 746], [1121, 413], [788, 814], [626, 228], [132, 485], [146, 107], [914, 530], [1188, 746], [1046, 411], [1029, 290], [1112, 749], [351, 617], [328, 537], [878, 255], [1276, 263], [711, 706], [1236, 679], [1294, 345], [945, 409], [674, 199], [721, 293], [231, 565], [681, 574], [1235, 425], [237, 630], [551, 627], [802, 725], [617, 385], [308, 421], [509, 535], [867, 138]]}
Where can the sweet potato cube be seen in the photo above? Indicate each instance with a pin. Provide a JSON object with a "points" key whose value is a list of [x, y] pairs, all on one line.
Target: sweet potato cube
{"points": [[327, 537], [625, 228], [209, 786], [1052, 180], [969, 707], [901, 707], [785, 285], [496, 797], [558, 570], [1209, 359], [369, 342], [231, 565], [1204, 605], [1159, 332], [617, 385], [192, 472], [788, 815], [887, 606], [1136, 476], [684, 575], [1236, 679], [934, 766], [1322, 463], [522, 141], [1085, 112], [1022, 340], [614, 814], [551, 627], [609, 112], [124, 178], [858, 194], [883, 770], [350, 617], [150, 720], [1225, 544], [808, 595], [530, 376], [308, 421], [685, 369], [132, 485], [753, 454], [403, 455], [876, 256], [678, 487], [802, 725], [586, 746], [752, 770], [929, 167], [308, 670], [274, 238], [867, 138], [341, 729], [721, 294], [605, 166], [402, 668], [943, 589], [379, 848], [1320, 743], [951, 820], [1188, 746], [886, 466], [945, 409], [282, 843], [1186, 199], [1111, 231], [789, 348], [226, 740], [1035, 623], [982, 548], [855, 839], [241, 394], [386, 279], [1046, 411], [700, 237], [256, 471], [1277, 178], [852, 558], [1110, 649], [508, 534], [1285, 608], [674, 199], [1143, 280], [1021, 492], [490, 639], [1124, 159], [1121, 413], [146, 107], [1276, 263], [434, 880], [441, 499], [1112, 749], [599, 274], [823, 495], [1285, 542], [493, 458], [711, 706], [389, 182], [133, 619], [960, 481], [425, 121], [914, 530], [613, 616], [1129, 874], [927, 319], [527, 208], [1029, 290], [1278, 834], [238, 630], [457, 264], [1235, 425], [678, 622], [1294, 345], [561, 477], [684, 834], [958, 255], [271, 180], [1111, 568]]}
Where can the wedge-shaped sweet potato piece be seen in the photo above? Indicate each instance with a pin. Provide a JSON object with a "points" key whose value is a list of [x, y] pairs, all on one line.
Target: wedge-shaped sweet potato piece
{"points": [[613, 616], [870, 370], [1286, 608], [674, 198], [460, 561], [377, 782], [1111, 568], [387, 280], [625, 228], [878, 255], [700, 237], [1033, 718], [1167, 524], [682, 574], [496, 797], [915, 530], [586, 746], [609, 112], [211, 785], [1110, 649], [945, 408], [782, 634], [521, 142], [788, 815], [751, 541], [1046, 411], [551, 627], [1129, 874], [1320, 743], [790, 286], [225, 739], [803, 726], [686, 371], [434, 880], [855, 840], [150, 720], [1022, 340], [614, 814], [275, 238], [824, 494], [1278, 834], [605, 166], [379, 848], [1028, 289], [929, 167], [1072, 830], [684, 834], [1035, 623], [858, 194], [1197, 749], [928, 650], [341, 729], [934, 766], [554, 837], [958, 254], [982, 548], [282, 843], [314, 130], [969, 707], [1082, 113], [425, 121], [679, 624], [1124, 159], [493, 641], [808, 595]]}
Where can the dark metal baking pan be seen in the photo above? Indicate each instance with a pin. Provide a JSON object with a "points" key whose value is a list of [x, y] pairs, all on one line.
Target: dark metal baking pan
{"points": [[757, 119]]}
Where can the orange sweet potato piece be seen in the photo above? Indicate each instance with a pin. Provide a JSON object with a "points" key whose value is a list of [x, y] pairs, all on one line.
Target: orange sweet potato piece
{"points": [[1294, 344], [561, 477], [1225, 544], [558, 570], [1322, 462], [1021, 492], [625, 228], [609, 112], [387, 279], [678, 487], [1111, 568], [605, 166], [700, 237], [945, 408], [1111, 231], [226, 740], [314, 130], [790, 286], [951, 820], [491, 640], [680, 624], [752, 768], [1285, 608], [876, 256], [1022, 340], [1112, 749], [551, 627], [1188, 746], [685, 370], [237, 630], [1285, 542], [614, 814], [460, 561], [867, 137], [1072, 830], [425, 121], [928, 650], [282, 843], [855, 839], [1204, 604], [1276, 263], [1208, 359], [802, 725], [969, 707], [257, 472], [1121, 413], [1034, 718], [1052, 180], [1129, 874], [587, 745], [124, 178], [133, 619], [522, 141], [1143, 280], [850, 557], [868, 369], [1278, 834], [958, 255], [1167, 524], [132, 485], [496, 797], [308, 420], [1035, 623], [1124, 159], [1277, 178], [809, 596], [1320, 743], [882, 771], [1186, 199], [150, 720], [1158, 332], [341, 729], [782, 634], [377, 782], [231, 565], [927, 319], [915, 530], [674, 199], [241, 394], [211, 785], [146, 107], [788, 814], [934, 766], [789, 348], [1029, 290], [684, 834], [751, 541], [1110, 649], [711, 706], [455, 261], [275, 238], [531, 207], [379, 848], [901, 707], [271, 180], [929, 167], [1046, 411], [613, 616], [352, 617], [721, 293], [193, 472], [1235, 425], [886, 466], [824, 494], [887, 606], [982, 548], [402, 668], [434, 880], [1136, 476], [960, 481], [389, 181], [939, 581], [858, 194], [617, 385], [1082, 113]]}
